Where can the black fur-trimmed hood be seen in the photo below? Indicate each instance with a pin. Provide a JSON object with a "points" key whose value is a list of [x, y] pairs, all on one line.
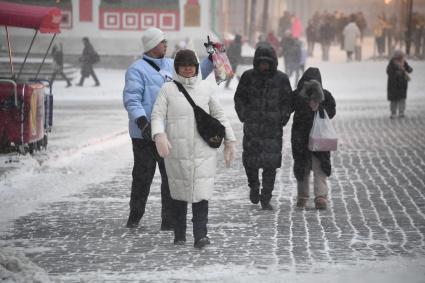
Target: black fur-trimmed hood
{"points": [[312, 90], [265, 52], [310, 74]]}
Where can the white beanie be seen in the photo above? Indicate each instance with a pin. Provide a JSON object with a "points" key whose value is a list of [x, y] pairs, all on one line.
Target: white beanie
{"points": [[152, 37]]}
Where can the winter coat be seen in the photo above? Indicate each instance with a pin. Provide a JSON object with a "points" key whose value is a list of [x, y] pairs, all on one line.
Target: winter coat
{"points": [[142, 83], [234, 52], [191, 164], [260, 103], [351, 33], [327, 33], [302, 123], [89, 55], [57, 55], [397, 81]]}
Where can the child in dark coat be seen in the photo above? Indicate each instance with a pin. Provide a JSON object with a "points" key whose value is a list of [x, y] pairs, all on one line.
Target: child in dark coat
{"points": [[308, 98]]}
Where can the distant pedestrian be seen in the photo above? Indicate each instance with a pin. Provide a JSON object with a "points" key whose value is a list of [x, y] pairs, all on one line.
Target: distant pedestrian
{"points": [[179, 46], [379, 34], [260, 101], [311, 35], [302, 62], [351, 35], [398, 71], [308, 98], [273, 40], [88, 58], [326, 36], [57, 55], [189, 161], [234, 52]]}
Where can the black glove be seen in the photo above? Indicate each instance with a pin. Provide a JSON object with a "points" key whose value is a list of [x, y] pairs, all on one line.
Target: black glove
{"points": [[145, 127]]}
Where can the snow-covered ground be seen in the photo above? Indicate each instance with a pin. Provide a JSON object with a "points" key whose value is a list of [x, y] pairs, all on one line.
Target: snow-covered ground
{"points": [[89, 141]]}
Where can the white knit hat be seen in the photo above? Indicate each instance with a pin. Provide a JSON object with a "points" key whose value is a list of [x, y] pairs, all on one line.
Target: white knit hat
{"points": [[152, 37]]}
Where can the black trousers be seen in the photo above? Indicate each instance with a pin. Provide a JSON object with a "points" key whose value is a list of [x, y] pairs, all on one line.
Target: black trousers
{"points": [[90, 72], [145, 160], [269, 177], [199, 219], [60, 72]]}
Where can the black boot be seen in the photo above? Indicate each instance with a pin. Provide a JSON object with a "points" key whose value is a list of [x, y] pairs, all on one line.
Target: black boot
{"points": [[254, 195], [133, 219], [200, 220], [180, 235], [199, 244], [265, 201], [269, 176]]}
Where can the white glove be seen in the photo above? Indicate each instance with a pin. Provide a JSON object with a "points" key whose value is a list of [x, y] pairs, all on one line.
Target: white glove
{"points": [[229, 152], [163, 146]]}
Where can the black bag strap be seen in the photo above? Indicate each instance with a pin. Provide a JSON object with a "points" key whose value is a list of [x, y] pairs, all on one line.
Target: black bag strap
{"points": [[184, 91], [158, 69], [150, 62]]}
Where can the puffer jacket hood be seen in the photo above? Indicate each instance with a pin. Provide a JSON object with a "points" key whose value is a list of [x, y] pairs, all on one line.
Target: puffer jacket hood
{"points": [[310, 74], [266, 53]]}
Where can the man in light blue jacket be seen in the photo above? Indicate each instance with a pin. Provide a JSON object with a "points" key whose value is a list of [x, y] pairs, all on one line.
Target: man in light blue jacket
{"points": [[143, 80]]}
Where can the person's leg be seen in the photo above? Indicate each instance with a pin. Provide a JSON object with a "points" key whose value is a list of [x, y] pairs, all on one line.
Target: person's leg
{"points": [[253, 184], [393, 108], [401, 107], [81, 82], [68, 82], [180, 214], [269, 177], [53, 78], [320, 185], [93, 74], [167, 220], [143, 173], [303, 190], [200, 220], [326, 52]]}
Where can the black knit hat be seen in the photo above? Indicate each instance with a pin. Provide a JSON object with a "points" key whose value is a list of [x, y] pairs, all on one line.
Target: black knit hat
{"points": [[186, 57]]}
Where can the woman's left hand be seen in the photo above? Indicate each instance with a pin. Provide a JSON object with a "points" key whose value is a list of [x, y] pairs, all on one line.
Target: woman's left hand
{"points": [[162, 144]]}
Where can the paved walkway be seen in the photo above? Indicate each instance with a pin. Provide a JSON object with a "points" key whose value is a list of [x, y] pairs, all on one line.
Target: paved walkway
{"points": [[377, 210]]}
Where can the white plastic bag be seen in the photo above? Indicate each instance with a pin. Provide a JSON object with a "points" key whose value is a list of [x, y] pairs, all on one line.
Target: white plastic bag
{"points": [[323, 136]]}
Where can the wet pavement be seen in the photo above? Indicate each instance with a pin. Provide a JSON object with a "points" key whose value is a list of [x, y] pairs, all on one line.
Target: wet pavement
{"points": [[376, 210]]}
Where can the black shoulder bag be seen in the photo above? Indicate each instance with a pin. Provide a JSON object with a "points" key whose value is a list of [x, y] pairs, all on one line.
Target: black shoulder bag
{"points": [[209, 128]]}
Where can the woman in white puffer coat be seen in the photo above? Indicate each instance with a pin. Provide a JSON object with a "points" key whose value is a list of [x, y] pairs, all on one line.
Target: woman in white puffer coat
{"points": [[189, 161]]}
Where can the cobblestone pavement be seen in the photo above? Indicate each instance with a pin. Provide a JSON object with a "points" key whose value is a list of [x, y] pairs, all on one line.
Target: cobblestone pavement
{"points": [[377, 210]]}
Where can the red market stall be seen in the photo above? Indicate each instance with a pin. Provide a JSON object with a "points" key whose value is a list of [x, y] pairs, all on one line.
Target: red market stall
{"points": [[26, 107]]}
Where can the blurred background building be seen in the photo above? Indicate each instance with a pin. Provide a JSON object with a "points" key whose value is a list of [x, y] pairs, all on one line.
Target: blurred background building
{"points": [[115, 26]]}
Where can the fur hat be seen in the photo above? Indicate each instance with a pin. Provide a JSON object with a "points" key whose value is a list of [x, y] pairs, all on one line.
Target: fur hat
{"points": [[152, 37], [312, 90], [185, 57]]}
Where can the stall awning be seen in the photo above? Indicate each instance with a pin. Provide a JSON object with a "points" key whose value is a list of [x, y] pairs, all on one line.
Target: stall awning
{"points": [[44, 19]]}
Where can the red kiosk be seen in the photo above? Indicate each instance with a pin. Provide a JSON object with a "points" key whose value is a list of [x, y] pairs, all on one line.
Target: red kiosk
{"points": [[26, 105]]}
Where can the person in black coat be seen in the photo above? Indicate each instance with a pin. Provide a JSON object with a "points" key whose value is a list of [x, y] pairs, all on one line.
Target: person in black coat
{"points": [[234, 52], [261, 103], [398, 77], [305, 101], [88, 58]]}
